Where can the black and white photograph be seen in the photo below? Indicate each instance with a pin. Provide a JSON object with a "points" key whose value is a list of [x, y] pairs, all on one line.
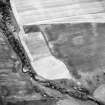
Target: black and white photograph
{"points": [[52, 52]]}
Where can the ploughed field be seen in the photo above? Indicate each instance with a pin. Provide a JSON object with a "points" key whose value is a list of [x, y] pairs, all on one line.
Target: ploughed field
{"points": [[81, 47]]}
